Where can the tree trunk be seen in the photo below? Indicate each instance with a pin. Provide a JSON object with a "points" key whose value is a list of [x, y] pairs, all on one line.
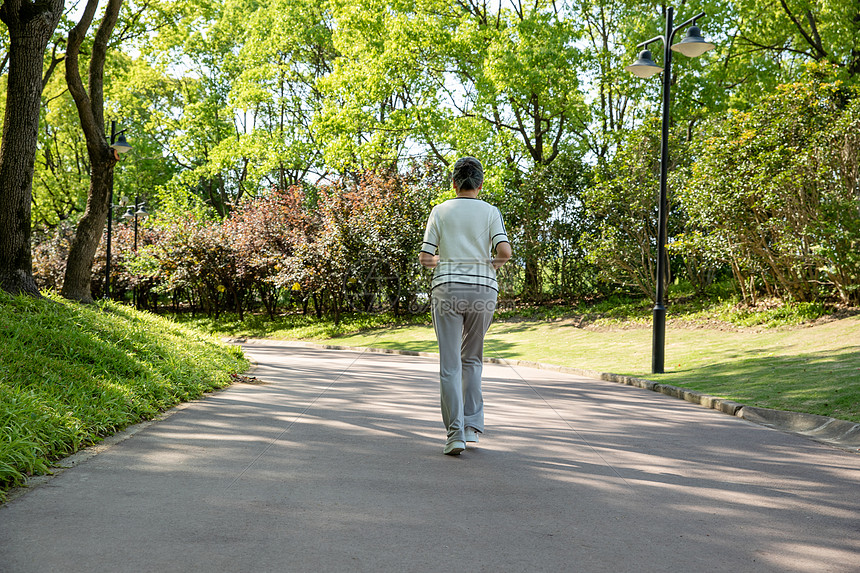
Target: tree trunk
{"points": [[30, 28], [90, 104], [78, 279]]}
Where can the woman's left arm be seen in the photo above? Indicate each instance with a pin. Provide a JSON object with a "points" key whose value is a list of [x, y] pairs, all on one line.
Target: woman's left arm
{"points": [[503, 254]]}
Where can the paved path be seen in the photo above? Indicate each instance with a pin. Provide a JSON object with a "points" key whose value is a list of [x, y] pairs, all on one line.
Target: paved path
{"points": [[335, 464]]}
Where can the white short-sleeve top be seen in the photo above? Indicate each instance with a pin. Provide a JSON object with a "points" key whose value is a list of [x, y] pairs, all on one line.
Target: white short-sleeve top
{"points": [[464, 232]]}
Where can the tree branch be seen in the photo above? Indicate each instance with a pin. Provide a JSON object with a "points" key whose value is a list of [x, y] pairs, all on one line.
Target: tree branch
{"points": [[52, 66], [803, 32], [92, 131], [557, 140], [818, 45], [772, 47], [97, 62]]}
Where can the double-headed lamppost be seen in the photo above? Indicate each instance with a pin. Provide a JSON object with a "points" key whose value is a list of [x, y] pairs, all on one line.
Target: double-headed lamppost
{"points": [[119, 145], [135, 212], [693, 45]]}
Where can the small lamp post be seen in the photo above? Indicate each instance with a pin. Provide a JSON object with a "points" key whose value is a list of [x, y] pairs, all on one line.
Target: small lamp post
{"points": [[693, 45], [119, 145], [134, 212]]}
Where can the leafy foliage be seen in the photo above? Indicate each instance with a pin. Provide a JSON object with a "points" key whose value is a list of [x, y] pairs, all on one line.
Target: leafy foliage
{"points": [[775, 194], [342, 247], [624, 202], [226, 101]]}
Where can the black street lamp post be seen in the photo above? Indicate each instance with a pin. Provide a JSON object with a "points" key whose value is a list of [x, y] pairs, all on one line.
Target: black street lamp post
{"points": [[135, 212], [119, 145], [693, 45]]}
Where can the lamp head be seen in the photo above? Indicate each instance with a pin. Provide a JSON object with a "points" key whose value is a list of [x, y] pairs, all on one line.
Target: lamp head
{"points": [[693, 45], [644, 67], [121, 145]]}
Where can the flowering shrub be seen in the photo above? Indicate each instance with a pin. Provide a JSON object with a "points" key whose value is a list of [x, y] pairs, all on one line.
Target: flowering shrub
{"points": [[350, 246]]}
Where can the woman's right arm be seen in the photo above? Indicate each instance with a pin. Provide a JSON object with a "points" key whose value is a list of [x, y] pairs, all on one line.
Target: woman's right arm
{"points": [[427, 260]]}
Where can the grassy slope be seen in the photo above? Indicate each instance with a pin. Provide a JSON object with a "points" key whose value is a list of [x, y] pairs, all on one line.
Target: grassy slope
{"points": [[71, 374]]}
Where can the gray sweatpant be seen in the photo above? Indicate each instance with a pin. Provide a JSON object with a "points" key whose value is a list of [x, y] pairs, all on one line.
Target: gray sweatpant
{"points": [[461, 316]]}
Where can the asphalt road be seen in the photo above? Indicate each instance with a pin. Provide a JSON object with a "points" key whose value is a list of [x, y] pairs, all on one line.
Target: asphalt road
{"points": [[333, 462]]}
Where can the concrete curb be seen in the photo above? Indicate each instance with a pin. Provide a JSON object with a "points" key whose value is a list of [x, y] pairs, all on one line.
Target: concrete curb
{"points": [[839, 433], [834, 432]]}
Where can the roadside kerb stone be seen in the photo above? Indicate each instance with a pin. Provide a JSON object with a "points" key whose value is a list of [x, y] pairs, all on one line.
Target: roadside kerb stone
{"points": [[839, 433]]}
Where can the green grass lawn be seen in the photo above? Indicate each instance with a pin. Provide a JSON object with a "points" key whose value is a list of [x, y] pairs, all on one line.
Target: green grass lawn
{"points": [[72, 374], [789, 358], [813, 369]]}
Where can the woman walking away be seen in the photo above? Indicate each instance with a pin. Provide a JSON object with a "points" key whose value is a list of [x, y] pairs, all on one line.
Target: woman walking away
{"points": [[465, 243]]}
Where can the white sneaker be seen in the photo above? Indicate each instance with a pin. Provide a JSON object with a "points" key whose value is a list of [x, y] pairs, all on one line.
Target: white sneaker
{"points": [[472, 435], [454, 448]]}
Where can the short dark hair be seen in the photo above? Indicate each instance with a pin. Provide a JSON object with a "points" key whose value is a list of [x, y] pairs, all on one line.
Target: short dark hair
{"points": [[468, 174]]}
